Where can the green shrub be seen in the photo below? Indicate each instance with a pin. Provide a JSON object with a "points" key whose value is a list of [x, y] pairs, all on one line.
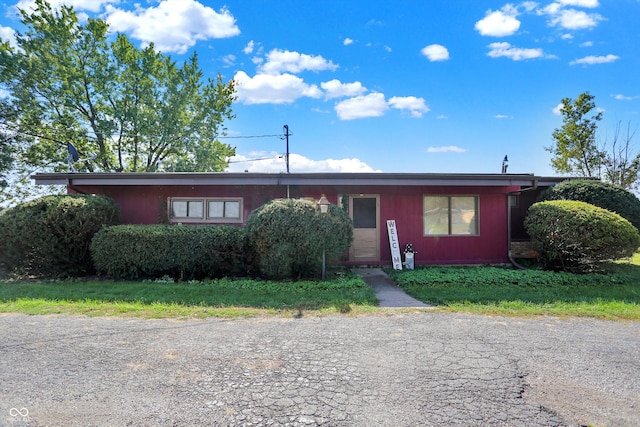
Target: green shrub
{"points": [[50, 236], [576, 236], [287, 237], [182, 252], [607, 196]]}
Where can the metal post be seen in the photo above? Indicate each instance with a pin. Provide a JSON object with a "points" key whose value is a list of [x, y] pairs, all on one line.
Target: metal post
{"points": [[286, 136], [324, 268], [323, 203]]}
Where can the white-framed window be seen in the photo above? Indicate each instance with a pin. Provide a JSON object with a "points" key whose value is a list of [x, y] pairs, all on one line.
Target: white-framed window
{"points": [[206, 209], [450, 215], [187, 209], [224, 209]]}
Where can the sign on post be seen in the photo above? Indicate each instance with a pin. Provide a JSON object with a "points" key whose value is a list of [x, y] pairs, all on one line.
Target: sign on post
{"points": [[394, 245]]}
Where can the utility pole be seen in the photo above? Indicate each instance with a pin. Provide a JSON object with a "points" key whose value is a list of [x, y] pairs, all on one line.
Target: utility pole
{"points": [[286, 137]]}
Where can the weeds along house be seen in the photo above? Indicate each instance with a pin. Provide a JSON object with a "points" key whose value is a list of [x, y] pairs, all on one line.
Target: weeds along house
{"points": [[448, 218]]}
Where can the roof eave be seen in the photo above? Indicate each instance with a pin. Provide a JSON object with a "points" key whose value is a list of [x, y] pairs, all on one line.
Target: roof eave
{"points": [[232, 178]]}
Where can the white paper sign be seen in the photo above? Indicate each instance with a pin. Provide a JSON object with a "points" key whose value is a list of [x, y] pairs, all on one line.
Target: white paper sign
{"points": [[394, 245]]}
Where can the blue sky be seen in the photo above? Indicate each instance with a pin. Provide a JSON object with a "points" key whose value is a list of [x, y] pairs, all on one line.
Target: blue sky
{"points": [[396, 86]]}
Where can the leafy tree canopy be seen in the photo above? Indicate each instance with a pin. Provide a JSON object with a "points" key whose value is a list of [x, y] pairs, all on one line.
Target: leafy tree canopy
{"points": [[136, 109], [575, 150]]}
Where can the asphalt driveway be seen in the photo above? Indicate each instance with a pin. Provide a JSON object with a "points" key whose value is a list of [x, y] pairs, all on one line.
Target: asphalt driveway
{"points": [[425, 369]]}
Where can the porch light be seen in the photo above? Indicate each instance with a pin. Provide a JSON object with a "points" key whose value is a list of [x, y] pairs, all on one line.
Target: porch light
{"points": [[324, 209], [324, 204]]}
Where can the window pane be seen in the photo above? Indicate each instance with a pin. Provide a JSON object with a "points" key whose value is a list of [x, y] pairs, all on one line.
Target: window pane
{"points": [[195, 209], [364, 213], [463, 215], [178, 209], [232, 210], [436, 215], [216, 209]]}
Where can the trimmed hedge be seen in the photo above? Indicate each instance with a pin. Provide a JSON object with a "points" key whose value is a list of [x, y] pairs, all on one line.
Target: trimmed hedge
{"points": [[50, 236], [183, 252], [287, 238], [604, 195], [577, 236]]}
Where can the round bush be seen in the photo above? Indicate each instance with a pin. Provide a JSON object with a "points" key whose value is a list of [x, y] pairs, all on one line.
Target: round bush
{"points": [[50, 236], [577, 236], [287, 237], [607, 196]]}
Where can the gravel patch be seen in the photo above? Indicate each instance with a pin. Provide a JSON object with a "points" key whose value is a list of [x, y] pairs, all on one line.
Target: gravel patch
{"points": [[427, 369]]}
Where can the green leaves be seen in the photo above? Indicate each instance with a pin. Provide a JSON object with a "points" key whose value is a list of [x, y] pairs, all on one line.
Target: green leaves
{"points": [[577, 236], [51, 235], [289, 236], [135, 108], [575, 149], [181, 252]]}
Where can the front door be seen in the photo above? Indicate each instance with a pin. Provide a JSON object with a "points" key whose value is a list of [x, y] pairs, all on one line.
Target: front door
{"points": [[365, 213]]}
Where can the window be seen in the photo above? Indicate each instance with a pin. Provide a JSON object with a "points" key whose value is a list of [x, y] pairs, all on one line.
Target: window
{"points": [[213, 210], [224, 209], [450, 215], [186, 209]]}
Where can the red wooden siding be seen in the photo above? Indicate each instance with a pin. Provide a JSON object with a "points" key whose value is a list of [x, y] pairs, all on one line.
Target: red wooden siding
{"points": [[148, 205]]}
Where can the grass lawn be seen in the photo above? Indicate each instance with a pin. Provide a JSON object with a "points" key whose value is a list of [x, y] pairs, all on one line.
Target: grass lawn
{"points": [[509, 292], [482, 290], [213, 298]]}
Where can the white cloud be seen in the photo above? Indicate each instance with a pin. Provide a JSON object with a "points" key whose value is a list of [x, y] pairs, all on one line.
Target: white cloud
{"points": [[375, 105], [248, 49], [499, 23], [529, 6], [504, 49], [435, 52], [416, 106], [273, 89], [502, 116], [336, 89], [229, 60], [580, 3], [279, 61], [442, 117], [347, 41], [572, 19], [557, 110], [446, 149], [173, 25], [586, 44], [359, 107], [621, 97], [8, 34], [90, 5], [591, 59], [275, 162]]}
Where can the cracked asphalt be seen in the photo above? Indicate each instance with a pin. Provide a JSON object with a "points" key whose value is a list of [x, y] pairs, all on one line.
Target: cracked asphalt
{"points": [[402, 369]]}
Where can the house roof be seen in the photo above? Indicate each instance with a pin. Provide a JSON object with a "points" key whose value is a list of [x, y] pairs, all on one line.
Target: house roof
{"points": [[319, 178]]}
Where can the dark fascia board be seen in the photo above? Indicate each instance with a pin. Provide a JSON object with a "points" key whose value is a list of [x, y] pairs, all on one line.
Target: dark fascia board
{"points": [[316, 179]]}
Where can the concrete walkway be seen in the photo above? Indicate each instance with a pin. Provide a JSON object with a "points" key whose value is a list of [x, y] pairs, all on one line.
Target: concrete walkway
{"points": [[389, 294]]}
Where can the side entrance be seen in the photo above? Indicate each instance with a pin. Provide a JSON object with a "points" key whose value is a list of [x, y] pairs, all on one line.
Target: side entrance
{"points": [[364, 210]]}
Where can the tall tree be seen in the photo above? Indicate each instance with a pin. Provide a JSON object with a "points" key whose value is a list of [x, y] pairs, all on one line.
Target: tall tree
{"points": [[7, 137], [135, 109], [575, 150]]}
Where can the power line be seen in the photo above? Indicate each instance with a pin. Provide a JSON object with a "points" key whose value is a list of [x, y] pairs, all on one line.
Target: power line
{"points": [[251, 136], [29, 133]]}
